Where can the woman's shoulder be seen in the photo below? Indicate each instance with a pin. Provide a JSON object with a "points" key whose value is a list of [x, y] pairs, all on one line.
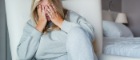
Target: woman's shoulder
{"points": [[74, 16], [30, 23], [28, 26], [73, 13]]}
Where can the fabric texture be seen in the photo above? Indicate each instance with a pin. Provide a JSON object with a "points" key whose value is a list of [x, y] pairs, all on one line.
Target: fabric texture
{"points": [[112, 29], [123, 46], [34, 45], [78, 45]]}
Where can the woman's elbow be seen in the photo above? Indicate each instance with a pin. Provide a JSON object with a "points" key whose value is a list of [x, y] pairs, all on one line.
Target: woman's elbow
{"points": [[23, 55]]}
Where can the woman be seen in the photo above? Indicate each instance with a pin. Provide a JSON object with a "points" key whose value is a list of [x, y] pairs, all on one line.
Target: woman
{"points": [[54, 33]]}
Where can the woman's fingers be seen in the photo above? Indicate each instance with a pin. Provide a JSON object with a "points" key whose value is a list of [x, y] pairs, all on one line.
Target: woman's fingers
{"points": [[54, 8], [51, 8], [45, 8], [42, 9], [39, 9], [49, 14], [49, 11]]}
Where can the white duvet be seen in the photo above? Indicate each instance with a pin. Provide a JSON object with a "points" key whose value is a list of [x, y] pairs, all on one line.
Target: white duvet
{"points": [[122, 46]]}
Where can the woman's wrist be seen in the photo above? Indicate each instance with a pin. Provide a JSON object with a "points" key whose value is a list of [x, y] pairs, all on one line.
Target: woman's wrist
{"points": [[60, 24], [39, 29], [41, 25]]}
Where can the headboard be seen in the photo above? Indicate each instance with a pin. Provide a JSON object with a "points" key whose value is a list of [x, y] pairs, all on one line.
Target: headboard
{"points": [[18, 12]]}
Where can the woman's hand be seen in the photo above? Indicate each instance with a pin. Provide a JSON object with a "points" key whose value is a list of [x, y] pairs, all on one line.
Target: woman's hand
{"points": [[54, 15], [42, 21]]}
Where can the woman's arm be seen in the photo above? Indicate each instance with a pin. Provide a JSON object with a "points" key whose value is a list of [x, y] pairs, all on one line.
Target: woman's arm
{"points": [[79, 21], [29, 42], [65, 25], [30, 39]]}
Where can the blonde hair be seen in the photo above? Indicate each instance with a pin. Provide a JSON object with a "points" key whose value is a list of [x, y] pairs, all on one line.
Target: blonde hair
{"points": [[58, 5]]}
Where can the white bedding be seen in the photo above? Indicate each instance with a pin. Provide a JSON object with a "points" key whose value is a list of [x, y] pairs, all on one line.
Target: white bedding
{"points": [[122, 46]]}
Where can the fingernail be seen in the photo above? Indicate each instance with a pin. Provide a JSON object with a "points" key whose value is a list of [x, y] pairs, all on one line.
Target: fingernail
{"points": [[39, 5]]}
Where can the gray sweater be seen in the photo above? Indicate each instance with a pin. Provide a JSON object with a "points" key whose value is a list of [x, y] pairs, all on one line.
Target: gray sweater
{"points": [[34, 45]]}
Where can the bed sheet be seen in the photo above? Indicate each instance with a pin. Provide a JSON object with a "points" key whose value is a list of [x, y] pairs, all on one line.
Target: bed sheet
{"points": [[123, 46]]}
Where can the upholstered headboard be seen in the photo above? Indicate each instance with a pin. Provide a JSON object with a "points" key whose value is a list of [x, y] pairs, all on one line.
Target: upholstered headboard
{"points": [[18, 12]]}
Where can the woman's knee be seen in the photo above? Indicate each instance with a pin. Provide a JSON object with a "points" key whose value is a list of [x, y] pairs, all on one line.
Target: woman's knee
{"points": [[78, 37], [78, 33]]}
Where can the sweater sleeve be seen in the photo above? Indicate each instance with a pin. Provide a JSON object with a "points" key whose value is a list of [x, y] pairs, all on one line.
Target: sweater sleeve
{"points": [[81, 22], [29, 42]]}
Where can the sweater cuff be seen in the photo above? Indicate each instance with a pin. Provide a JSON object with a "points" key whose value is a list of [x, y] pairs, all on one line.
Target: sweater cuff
{"points": [[67, 25]]}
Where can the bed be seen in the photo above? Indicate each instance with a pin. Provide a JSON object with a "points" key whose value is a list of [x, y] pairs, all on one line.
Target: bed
{"points": [[118, 38], [123, 46]]}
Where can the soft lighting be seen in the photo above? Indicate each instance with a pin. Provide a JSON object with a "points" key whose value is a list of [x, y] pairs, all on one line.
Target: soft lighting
{"points": [[121, 18]]}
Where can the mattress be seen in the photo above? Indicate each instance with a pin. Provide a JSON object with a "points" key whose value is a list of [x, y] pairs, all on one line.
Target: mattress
{"points": [[129, 47]]}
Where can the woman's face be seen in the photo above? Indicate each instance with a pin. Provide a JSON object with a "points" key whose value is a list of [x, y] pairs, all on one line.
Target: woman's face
{"points": [[45, 3]]}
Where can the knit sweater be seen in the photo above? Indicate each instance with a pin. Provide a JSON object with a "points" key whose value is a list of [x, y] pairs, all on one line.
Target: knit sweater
{"points": [[34, 45]]}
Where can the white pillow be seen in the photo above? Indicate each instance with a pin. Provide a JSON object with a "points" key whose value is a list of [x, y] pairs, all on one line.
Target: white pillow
{"points": [[112, 29]]}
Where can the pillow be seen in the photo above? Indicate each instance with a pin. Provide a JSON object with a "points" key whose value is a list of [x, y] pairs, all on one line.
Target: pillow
{"points": [[112, 29]]}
